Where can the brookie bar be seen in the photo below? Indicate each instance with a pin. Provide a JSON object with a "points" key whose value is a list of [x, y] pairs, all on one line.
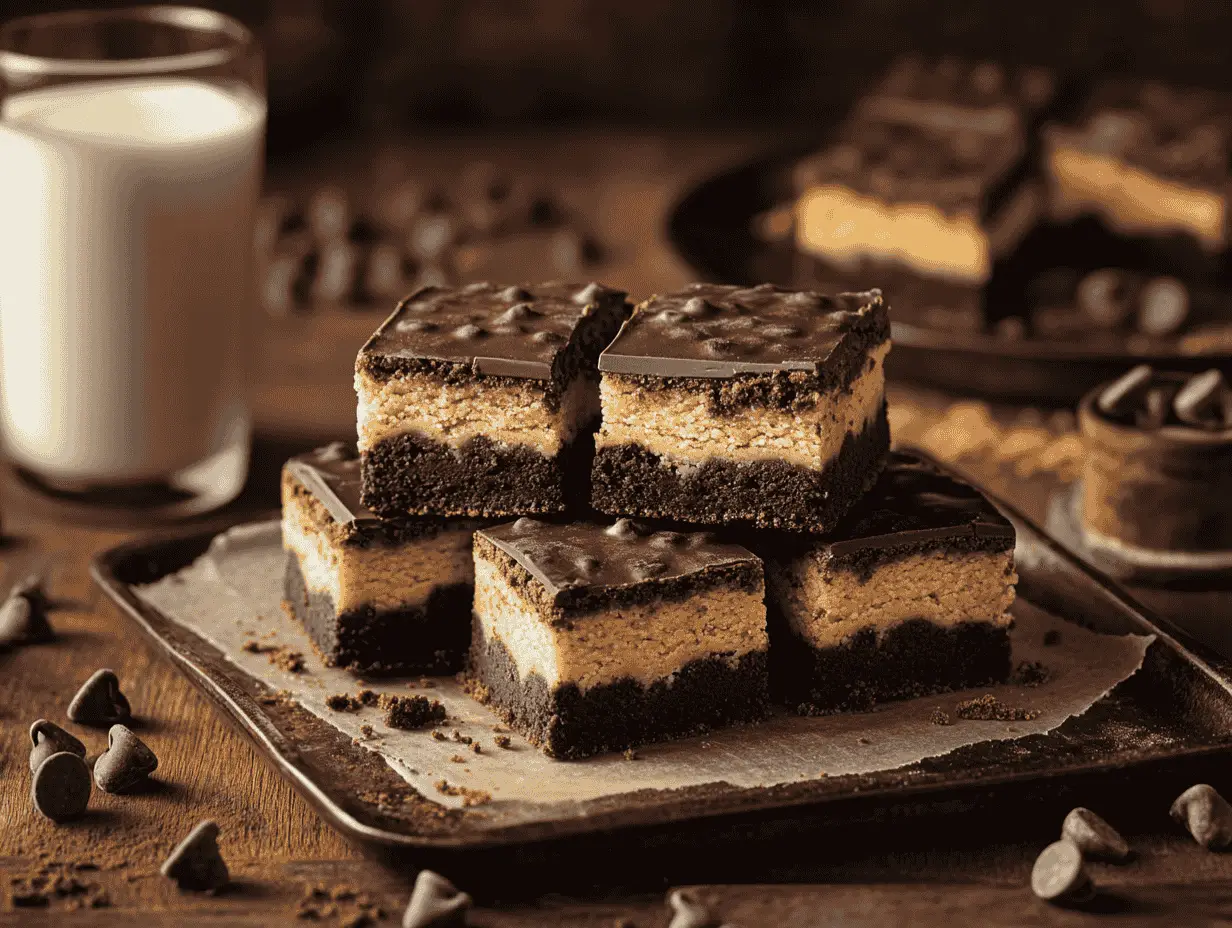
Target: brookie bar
{"points": [[759, 406], [909, 596], [589, 638], [480, 401], [374, 595]]}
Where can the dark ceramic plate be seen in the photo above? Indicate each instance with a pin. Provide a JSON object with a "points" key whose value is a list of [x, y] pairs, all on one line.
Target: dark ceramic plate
{"points": [[712, 229], [1177, 710]]}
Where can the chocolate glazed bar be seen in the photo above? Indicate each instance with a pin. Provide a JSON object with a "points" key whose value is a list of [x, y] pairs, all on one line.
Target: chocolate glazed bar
{"points": [[590, 638], [909, 596], [481, 401], [757, 406], [374, 595]]}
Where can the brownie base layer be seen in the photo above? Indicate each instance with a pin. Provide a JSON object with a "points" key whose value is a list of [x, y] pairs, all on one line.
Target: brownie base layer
{"points": [[412, 475], [430, 639], [629, 480], [569, 724], [914, 658]]}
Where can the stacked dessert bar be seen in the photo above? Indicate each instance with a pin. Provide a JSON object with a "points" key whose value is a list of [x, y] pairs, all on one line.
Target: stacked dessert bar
{"points": [[563, 495]]}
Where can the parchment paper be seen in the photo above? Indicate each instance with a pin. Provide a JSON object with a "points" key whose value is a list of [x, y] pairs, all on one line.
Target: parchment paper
{"points": [[232, 594]]}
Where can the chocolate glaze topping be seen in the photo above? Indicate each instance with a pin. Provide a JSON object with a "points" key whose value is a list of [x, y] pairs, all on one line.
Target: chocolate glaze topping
{"points": [[331, 475], [506, 331], [707, 330], [626, 553], [915, 503], [949, 93], [1180, 133], [960, 170]]}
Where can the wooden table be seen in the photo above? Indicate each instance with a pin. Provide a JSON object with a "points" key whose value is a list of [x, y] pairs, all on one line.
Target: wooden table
{"points": [[890, 874]]}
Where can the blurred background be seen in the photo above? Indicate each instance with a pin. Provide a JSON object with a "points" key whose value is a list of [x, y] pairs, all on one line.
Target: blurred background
{"points": [[374, 65]]}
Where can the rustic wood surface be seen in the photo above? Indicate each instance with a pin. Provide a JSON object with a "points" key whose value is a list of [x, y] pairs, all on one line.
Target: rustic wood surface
{"points": [[277, 847]]}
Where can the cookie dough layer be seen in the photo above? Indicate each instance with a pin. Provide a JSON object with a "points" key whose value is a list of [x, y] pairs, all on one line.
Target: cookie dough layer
{"points": [[1133, 200], [503, 410], [640, 643], [770, 493], [677, 424], [824, 607], [430, 638], [375, 576], [844, 227]]}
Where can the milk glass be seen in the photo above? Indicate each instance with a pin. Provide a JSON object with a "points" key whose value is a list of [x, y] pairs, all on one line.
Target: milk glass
{"points": [[131, 153]]}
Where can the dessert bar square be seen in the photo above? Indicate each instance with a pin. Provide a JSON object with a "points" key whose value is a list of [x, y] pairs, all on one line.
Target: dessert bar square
{"points": [[481, 401], [1147, 159], [589, 638], [374, 595], [940, 201], [909, 596], [757, 406]]}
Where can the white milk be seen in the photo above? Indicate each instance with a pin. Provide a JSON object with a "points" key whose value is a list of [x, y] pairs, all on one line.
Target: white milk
{"points": [[125, 274]]}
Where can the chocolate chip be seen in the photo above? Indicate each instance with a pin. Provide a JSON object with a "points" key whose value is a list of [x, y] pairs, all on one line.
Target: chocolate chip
{"points": [[781, 331], [1163, 306], [624, 529], [1060, 876], [126, 763], [1095, 838], [670, 317], [647, 570], [517, 312], [719, 347], [696, 307], [435, 903], [688, 912], [99, 701], [196, 863], [548, 338], [669, 539], [23, 621], [1104, 297], [385, 274], [1203, 402], [329, 215], [415, 325], [586, 564], [1157, 407], [1125, 395], [48, 738], [525, 524], [514, 295], [591, 293], [60, 789], [468, 332], [1204, 814]]}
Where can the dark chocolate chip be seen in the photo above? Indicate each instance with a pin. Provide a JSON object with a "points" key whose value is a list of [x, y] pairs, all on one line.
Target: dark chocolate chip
{"points": [[1126, 394], [415, 325], [525, 524], [196, 863], [329, 215], [719, 347], [1163, 306], [696, 307], [647, 570], [1202, 402], [1060, 876], [781, 331], [48, 738], [1204, 814], [23, 621], [468, 332], [669, 539], [591, 293], [670, 316], [435, 903], [623, 529], [99, 701], [514, 295], [1104, 297], [60, 789], [517, 313], [1095, 838], [586, 564], [547, 338], [688, 912], [126, 763], [1158, 406]]}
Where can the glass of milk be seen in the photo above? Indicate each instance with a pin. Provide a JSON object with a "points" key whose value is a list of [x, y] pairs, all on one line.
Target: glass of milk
{"points": [[131, 155]]}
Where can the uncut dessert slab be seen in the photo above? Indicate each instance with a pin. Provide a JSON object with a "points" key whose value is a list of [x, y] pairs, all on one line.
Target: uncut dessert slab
{"points": [[782, 770]]}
